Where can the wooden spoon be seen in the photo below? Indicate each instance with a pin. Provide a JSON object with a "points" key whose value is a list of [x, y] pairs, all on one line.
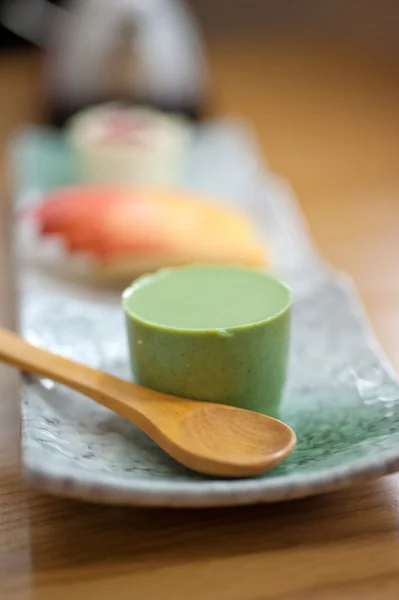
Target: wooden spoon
{"points": [[210, 438]]}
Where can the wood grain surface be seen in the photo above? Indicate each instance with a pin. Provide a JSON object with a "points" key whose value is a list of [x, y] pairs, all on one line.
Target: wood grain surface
{"points": [[327, 119]]}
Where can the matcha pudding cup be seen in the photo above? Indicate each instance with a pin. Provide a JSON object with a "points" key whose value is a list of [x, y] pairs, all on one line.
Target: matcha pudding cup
{"points": [[214, 333]]}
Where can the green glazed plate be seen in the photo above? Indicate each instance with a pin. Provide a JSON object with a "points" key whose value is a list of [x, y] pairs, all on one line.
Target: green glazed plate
{"points": [[341, 397]]}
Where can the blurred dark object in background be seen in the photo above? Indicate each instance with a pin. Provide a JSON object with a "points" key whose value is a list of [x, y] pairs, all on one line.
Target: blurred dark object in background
{"points": [[103, 50], [20, 20], [145, 52], [8, 39]]}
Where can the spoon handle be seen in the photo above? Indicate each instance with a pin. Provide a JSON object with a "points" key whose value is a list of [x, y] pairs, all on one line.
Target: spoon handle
{"points": [[127, 399]]}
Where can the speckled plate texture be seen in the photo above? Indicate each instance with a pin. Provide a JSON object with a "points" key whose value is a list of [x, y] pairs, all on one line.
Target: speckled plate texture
{"points": [[341, 396]]}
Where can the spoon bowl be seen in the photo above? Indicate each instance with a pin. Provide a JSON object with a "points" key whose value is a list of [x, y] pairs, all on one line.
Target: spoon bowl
{"points": [[229, 439], [213, 439]]}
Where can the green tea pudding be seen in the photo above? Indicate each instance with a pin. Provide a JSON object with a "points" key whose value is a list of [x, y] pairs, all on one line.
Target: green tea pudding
{"points": [[212, 333]]}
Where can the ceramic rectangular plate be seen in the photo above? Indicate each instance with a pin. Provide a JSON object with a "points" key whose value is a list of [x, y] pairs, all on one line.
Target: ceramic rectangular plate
{"points": [[341, 396]]}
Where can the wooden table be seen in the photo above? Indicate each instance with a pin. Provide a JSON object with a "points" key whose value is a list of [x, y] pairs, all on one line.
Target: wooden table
{"points": [[328, 121]]}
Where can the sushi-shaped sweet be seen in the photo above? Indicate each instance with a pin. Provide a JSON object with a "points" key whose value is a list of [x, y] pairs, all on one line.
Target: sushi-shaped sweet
{"points": [[130, 231]]}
